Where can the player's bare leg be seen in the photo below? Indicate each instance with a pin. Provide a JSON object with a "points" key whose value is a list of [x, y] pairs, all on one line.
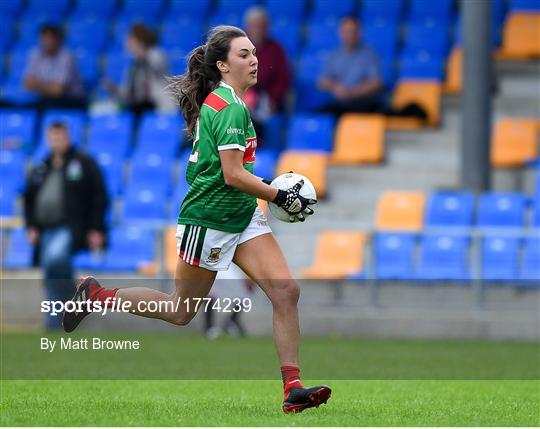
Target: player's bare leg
{"points": [[179, 307], [262, 259]]}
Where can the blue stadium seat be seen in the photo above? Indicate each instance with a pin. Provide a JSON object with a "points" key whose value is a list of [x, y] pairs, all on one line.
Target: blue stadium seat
{"points": [[54, 7], [159, 132], [322, 34], [431, 38], [311, 132], [530, 268], [144, 203], [382, 38], [89, 33], [394, 256], [129, 248], [309, 68], [179, 193], [17, 128], [190, 8], [111, 164], [8, 197], [137, 7], [225, 17], [177, 61], [373, 10], [325, 8], [443, 257], [294, 9], [6, 36], [501, 210], [12, 89], [19, 252], [450, 209], [274, 133], [420, 64], [87, 63], [102, 8], [176, 35], [286, 31], [116, 66], [536, 212], [10, 9], [525, 6], [265, 164], [500, 258], [12, 169], [236, 6], [30, 25], [111, 132], [439, 11], [88, 260], [151, 168]]}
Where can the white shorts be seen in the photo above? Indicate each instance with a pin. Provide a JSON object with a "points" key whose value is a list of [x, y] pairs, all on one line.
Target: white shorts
{"points": [[212, 249]]}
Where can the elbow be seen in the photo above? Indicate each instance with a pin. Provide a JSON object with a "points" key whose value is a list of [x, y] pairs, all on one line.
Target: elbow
{"points": [[232, 178]]}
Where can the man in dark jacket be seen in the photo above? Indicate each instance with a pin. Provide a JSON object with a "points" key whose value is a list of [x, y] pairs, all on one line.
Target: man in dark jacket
{"points": [[65, 203]]}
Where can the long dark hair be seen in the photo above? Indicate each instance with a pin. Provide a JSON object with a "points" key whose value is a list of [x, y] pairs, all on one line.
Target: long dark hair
{"points": [[202, 76]]}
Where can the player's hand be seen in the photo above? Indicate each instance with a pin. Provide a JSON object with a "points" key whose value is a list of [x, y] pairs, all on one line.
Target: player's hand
{"points": [[293, 203]]}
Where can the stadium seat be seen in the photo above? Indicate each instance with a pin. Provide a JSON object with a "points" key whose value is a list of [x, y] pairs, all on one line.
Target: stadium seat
{"points": [[8, 196], [454, 73], [88, 33], [6, 36], [530, 267], [322, 33], [394, 256], [501, 210], [144, 203], [382, 37], [130, 249], [311, 132], [359, 139], [236, 6], [530, 6], [180, 190], [430, 37], [419, 64], [287, 31], [325, 8], [12, 169], [17, 128], [101, 8], [265, 164], [177, 34], [427, 94], [439, 11], [10, 9], [443, 257], [339, 254], [54, 7], [515, 142], [111, 133], [295, 10], [152, 169], [226, 17], [189, 8], [520, 36], [499, 258], [153, 8], [374, 10], [112, 166], [87, 63], [400, 211], [535, 223], [450, 209], [159, 133], [19, 252], [308, 70], [310, 164]]}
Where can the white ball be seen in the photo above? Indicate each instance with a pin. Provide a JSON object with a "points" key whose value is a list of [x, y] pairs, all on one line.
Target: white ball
{"points": [[284, 182]]}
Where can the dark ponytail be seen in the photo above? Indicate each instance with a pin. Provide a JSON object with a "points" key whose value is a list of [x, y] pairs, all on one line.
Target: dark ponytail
{"points": [[202, 75]]}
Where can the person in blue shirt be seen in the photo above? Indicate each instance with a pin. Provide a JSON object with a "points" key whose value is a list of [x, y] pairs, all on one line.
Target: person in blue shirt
{"points": [[352, 74]]}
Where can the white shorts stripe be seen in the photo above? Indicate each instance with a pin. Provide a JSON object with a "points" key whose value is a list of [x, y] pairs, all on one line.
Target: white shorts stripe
{"points": [[195, 241], [191, 244], [186, 250]]}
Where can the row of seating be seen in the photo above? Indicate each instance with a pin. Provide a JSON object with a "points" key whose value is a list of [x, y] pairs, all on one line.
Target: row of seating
{"points": [[427, 257]]}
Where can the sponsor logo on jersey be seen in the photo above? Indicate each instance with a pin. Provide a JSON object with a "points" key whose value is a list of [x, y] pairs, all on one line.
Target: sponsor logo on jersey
{"points": [[238, 131], [249, 154], [215, 254]]}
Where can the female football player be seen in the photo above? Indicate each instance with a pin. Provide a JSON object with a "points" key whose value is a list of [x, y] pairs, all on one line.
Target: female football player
{"points": [[219, 220]]}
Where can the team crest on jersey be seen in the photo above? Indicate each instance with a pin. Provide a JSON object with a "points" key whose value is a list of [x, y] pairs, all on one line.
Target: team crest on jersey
{"points": [[249, 154], [215, 254]]}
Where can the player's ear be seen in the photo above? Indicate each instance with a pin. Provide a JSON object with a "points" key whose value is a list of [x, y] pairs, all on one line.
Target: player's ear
{"points": [[222, 67]]}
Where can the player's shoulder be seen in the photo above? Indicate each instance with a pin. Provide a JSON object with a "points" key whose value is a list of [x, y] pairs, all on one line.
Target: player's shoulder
{"points": [[224, 97]]}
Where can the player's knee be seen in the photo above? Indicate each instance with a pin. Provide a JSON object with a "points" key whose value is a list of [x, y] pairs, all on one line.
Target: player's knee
{"points": [[286, 292], [182, 319]]}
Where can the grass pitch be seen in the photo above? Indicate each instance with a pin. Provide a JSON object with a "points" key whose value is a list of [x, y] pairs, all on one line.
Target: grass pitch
{"points": [[188, 381]]}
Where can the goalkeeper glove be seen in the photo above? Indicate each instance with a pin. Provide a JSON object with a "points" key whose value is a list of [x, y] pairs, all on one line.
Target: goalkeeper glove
{"points": [[293, 203]]}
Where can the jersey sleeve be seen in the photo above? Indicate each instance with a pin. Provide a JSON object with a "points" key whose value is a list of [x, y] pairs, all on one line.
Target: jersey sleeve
{"points": [[230, 125]]}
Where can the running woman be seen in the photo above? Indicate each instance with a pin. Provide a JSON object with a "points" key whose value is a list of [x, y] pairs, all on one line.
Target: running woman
{"points": [[219, 220]]}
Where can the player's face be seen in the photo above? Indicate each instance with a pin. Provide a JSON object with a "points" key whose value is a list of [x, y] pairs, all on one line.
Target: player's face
{"points": [[242, 62]]}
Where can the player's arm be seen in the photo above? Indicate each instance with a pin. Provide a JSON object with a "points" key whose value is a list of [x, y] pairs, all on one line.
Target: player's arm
{"points": [[237, 177]]}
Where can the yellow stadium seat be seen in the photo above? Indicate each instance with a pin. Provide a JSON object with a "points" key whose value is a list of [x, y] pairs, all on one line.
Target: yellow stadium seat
{"points": [[338, 255], [359, 139], [514, 142], [427, 94], [521, 37], [170, 249], [400, 211], [310, 164], [454, 72]]}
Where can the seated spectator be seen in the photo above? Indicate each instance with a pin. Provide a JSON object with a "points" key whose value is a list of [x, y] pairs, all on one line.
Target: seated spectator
{"points": [[352, 74], [143, 88], [52, 72], [267, 97]]}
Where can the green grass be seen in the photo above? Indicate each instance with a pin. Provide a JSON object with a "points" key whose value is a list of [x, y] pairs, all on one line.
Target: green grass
{"points": [[257, 403], [185, 380]]}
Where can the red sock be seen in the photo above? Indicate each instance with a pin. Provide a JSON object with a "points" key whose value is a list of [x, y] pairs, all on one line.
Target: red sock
{"points": [[100, 294], [290, 375]]}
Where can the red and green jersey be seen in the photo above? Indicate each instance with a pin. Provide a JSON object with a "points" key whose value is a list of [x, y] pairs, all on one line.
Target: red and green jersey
{"points": [[224, 124]]}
